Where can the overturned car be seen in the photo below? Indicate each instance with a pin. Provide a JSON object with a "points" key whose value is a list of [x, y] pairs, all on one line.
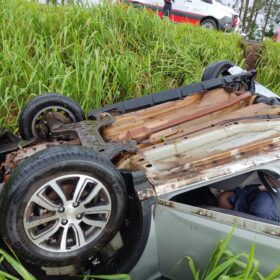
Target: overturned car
{"points": [[133, 188]]}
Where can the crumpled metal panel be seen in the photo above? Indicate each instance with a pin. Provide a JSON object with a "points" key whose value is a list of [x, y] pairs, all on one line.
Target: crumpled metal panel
{"points": [[214, 153], [142, 124], [88, 133], [202, 136], [252, 112]]}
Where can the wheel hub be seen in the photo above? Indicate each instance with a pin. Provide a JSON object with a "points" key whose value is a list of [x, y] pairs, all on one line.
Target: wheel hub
{"points": [[208, 25], [52, 114], [67, 213]]}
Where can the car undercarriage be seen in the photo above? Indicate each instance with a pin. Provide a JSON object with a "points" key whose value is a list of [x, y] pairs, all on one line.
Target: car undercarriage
{"points": [[84, 190]]}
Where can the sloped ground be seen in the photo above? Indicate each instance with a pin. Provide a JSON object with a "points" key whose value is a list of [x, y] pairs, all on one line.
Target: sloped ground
{"points": [[102, 55], [268, 65], [251, 54]]}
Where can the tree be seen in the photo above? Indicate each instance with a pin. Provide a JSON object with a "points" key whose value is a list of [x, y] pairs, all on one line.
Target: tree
{"points": [[246, 6], [268, 9], [257, 15]]}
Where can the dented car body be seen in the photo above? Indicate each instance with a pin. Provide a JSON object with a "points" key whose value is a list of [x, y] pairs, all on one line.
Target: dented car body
{"points": [[168, 147]]}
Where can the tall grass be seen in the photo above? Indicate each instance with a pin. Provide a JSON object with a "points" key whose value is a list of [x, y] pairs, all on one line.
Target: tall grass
{"points": [[225, 265], [105, 54], [16, 266], [269, 67], [100, 55]]}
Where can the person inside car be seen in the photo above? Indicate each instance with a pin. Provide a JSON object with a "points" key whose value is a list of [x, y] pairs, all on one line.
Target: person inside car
{"points": [[252, 199]]}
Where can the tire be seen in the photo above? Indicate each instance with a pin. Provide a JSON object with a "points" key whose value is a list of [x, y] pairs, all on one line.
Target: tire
{"points": [[209, 23], [44, 186], [138, 5], [38, 106], [216, 70]]}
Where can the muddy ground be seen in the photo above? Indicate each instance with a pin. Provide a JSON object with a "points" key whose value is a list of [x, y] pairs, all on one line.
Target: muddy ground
{"points": [[251, 54]]}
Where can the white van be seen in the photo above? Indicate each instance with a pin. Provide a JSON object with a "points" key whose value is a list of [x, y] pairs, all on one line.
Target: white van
{"points": [[208, 13]]}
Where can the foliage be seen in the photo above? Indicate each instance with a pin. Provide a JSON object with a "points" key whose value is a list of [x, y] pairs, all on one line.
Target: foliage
{"points": [[268, 68], [99, 55], [21, 271], [257, 16], [16, 265], [225, 265]]}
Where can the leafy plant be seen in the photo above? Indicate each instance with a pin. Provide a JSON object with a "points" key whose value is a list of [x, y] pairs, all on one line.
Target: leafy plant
{"points": [[225, 265], [269, 72], [22, 272], [16, 265]]}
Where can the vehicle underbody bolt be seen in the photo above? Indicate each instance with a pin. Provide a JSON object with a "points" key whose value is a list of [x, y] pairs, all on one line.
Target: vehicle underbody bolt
{"points": [[75, 204], [61, 209], [79, 216]]}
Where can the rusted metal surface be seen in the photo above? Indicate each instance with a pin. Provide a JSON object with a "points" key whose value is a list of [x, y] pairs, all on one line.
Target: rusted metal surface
{"points": [[216, 130], [88, 133], [15, 158], [167, 203], [253, 112], [146, 193], [166, 182], [185, 162], [142, 124], [50, 120]]}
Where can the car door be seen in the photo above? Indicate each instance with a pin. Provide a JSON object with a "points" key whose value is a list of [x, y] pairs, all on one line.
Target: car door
{"points": [[188, 11], [197, 8], [184, 230], [180, 233], [178, 12]]}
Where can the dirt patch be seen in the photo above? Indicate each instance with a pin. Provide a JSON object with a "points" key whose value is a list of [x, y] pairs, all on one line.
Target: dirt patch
{"points": [[251, 54]]}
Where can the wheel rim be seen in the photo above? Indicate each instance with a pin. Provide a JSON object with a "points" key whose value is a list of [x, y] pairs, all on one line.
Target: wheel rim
{"points": [[209, 25], [40, 118], [67, 213]]}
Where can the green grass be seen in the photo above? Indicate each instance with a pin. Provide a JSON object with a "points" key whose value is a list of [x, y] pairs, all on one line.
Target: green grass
{"points": [[98, 56], [23, 274], [17, 267], [225, 265], [106, 54], [269, 67]]}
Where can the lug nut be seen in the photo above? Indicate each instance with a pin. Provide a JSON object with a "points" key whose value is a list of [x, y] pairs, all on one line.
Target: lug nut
{"points": [[79, 216], [61, 209], [64, 222], [75, 204]]}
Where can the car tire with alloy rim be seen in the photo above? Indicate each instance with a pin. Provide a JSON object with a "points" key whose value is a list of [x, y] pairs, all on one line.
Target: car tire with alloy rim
{"points": [[62, 206], [33, 119]]}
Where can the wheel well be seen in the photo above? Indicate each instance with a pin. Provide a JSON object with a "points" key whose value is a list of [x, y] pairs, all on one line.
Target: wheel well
{"points": [[209, 17], [137, 4]]}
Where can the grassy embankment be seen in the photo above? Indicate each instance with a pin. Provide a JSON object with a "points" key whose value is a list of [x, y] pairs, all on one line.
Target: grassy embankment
{"points": [[98, 56], [269, 67], [106, 54]]}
